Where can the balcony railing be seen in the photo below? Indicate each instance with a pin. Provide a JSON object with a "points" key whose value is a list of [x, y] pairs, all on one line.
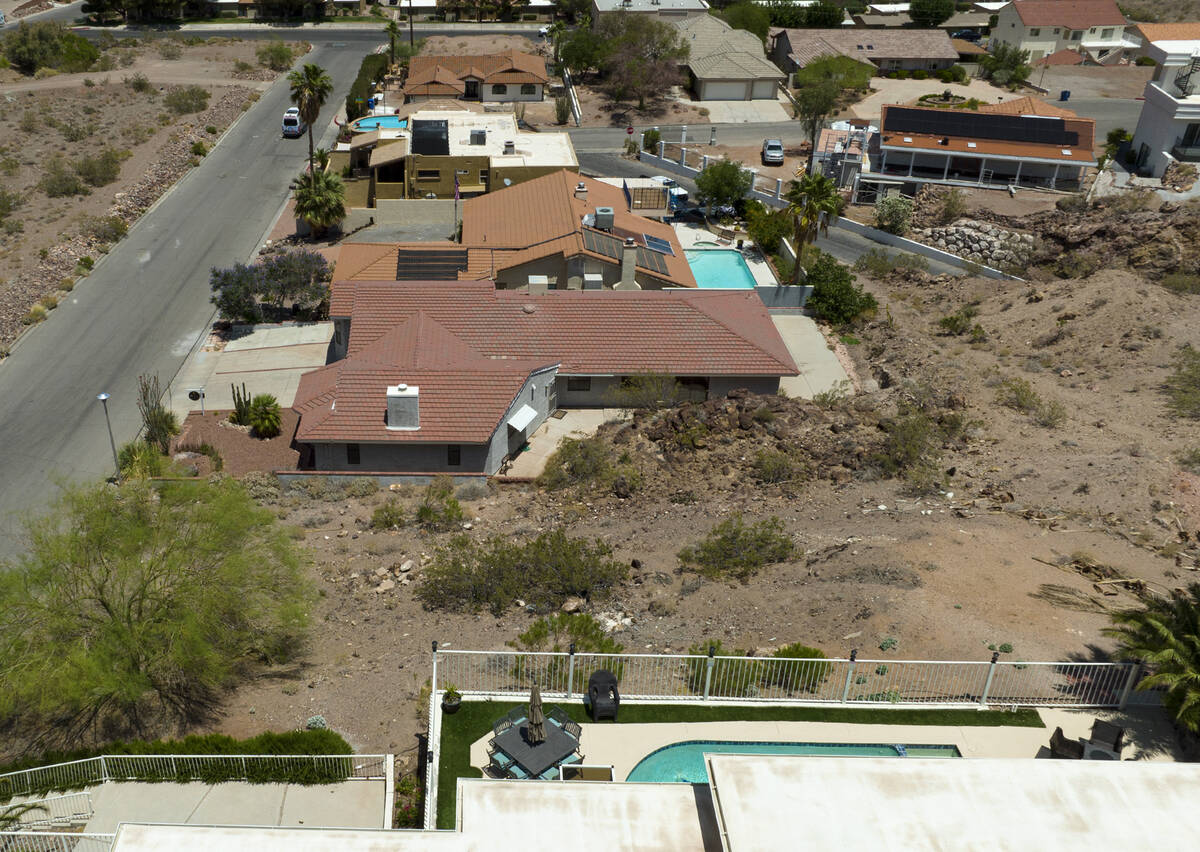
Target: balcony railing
{"points": [[1185, 153]]}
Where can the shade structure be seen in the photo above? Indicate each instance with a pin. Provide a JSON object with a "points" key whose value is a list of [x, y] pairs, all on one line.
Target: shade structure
{"points": [[537, 718]]}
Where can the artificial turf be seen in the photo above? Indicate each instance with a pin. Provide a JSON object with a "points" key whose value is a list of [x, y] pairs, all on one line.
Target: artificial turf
{"points": [[474, 719]]}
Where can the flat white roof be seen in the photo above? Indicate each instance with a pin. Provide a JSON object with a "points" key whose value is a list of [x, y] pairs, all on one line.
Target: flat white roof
{"points": [[781, 802], [530, 149]]}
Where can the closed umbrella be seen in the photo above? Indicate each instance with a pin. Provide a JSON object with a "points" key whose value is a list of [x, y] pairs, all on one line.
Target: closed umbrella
{"points": [[537, 719]]}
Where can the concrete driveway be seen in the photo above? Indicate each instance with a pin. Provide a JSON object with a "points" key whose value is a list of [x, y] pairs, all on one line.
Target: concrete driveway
{"points": [[744, 112], [820, 369]]}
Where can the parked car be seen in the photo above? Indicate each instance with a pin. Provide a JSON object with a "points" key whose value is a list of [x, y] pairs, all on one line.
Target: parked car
{"points": [[293, 124], [679, 195], [544, 32], [772, 152], [966, 35]]}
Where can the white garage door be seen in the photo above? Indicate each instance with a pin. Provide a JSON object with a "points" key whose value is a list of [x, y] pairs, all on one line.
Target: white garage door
{"points": [[764, 88], [731, 91]]}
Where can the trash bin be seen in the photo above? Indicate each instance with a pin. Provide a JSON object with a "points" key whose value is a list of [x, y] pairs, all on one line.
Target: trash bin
{"points": [[1064, 95], [371, 103]]}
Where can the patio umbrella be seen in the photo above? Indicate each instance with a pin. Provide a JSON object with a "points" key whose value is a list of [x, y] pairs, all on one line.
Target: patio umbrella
{"points": [[537, 719]]}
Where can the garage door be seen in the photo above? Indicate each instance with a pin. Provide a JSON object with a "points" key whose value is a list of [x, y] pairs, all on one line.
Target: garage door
{"points": [[764, 88], [729, 91]]}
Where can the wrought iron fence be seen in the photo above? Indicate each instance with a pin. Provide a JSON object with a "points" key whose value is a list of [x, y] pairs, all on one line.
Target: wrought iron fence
{"points": [[53, 841], [798, 681]]}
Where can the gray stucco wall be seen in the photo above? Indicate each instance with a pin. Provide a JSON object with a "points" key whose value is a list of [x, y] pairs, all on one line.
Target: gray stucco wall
{"points": [[601, 387], [721, 385], [536, 393]]}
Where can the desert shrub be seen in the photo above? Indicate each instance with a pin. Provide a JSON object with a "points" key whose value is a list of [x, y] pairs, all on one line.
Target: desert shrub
{"points": [[102, 169], [158, 421], [1183, 385], [205, 449], [187, 99], [735, 549], [369, 71], [274, 55], [49, 301], [1019, 395], [835, 297], [168, 49], [953, 206], [141, 460], [1077, 264], [959, 322], [84, 264], [476, 489], [36, 314], [912, 443], [60, 180], [438, 509], [10, 201], [558, 632], [920, 74], [650, 140], [140, 83], [878, 262], [893, 213], [575, 462], [767, 227], [730, 678], [1050, 414], [48, 45], [562, 110], [264, 419], [646, 392], [362, 486], [795, 677], [199, 149], [1145, 60], [1189, 460], [772, 466], [73, 131], [261, 485], [1182, 282], [542, 571], [388, 516], [108, 229]]}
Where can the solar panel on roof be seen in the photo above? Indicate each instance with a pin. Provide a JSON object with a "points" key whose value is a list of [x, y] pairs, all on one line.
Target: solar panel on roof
{"points": [[658, 244], [601, 244], [650, 260], [1006, 128], [430, 264]]}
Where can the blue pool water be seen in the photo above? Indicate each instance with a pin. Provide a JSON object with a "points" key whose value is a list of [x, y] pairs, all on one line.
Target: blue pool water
{"points": [[374, 122], [720, 269], [684, 762]]}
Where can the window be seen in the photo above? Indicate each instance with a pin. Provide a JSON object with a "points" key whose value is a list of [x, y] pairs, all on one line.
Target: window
{"points": [[528, 88], [1057, 31], [353, 456], [1035, 32], [499, 89], [581, 385], [1106, 33], [1076, 35], [483, 176], [453, 455], [429, 174]]}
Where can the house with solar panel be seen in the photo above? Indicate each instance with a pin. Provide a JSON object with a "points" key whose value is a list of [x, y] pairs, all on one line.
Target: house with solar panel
{"points": [[1020, 143]]}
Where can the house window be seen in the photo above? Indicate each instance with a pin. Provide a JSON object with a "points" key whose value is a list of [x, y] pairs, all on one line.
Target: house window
{"points": [[353, 456], [453, 455], [1107, 33], [1057, 30], [1076, 35], [580, 385], [483, 176], [528, 88], [499, 89], [429, 174], [1033, 33]]}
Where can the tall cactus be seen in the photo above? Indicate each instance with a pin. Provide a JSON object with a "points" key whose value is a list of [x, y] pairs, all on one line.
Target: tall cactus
{"points": [[241, 405]]}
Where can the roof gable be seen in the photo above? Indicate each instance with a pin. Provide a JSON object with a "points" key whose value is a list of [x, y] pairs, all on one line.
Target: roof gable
{"points": [[1072, 14]]}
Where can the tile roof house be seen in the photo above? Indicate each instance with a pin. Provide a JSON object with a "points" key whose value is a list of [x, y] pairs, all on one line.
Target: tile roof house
{"points": [[507, 76], [888, 50], [1020, 143], [1092, 28], [726, 64], [448, 376]]}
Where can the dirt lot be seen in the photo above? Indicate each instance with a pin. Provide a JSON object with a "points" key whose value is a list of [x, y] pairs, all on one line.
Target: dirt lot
{"points": [[1094, 81], [81, 114], [1003, 552]]}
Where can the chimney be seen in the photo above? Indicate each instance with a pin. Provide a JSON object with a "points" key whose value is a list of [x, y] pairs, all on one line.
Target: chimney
{"points": [[581, 191], [403, 411], [628, 266], [510, 147]]}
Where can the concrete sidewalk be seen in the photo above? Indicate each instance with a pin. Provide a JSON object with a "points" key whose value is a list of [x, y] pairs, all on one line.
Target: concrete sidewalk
{"points": [[820, 369], [351, 804]]}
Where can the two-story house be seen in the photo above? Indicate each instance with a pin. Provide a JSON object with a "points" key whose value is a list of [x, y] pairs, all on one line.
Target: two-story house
{"points": [[1168, 129], [1095, 29]]}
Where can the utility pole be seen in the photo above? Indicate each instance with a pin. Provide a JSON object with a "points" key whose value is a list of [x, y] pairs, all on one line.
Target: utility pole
{"points": [[410, 28]]}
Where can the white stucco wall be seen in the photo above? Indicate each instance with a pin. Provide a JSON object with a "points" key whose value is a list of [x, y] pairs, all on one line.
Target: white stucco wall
{"points": [[1164, 119], [513, 93]]}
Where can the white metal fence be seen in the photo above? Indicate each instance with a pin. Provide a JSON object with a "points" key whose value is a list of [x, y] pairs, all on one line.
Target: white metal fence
{"points": [[58, 811], [792, 681], [49, 841], [190, 767]]}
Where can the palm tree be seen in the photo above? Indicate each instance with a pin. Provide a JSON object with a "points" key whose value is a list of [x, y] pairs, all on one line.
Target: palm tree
{"points": [[1166, 636], [812, 202], [320, 200], [393, 32], [311, 86], [10, 816]]}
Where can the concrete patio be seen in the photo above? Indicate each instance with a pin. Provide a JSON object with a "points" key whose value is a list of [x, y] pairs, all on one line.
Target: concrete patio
{"points": [[820, 370], [574, 423]]}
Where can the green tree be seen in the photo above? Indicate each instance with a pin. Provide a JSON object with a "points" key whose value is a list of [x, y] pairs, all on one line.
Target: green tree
{"points": [[1165, 635], [930, 14], [575, 11], [133, 605], [893, 213], [10, 815], [813, 202], [583, 51], [835, 298], [814, 104], [393, 32], [1006, 65], [311, 87], [643, 55], [320, 200], [158, 421], [751, 17], [723, 184], [264, 416], [44, 44], [844, 72]]}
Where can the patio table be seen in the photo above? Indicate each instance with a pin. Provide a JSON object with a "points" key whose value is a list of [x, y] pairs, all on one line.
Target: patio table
{"points": [[536, 759]]}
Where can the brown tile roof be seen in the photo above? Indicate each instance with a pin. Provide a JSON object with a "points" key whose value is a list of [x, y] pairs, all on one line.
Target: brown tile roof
{"points": [[377, 261], [867, 45], [542, 217], [1080, 154], [687, 333], [962, 46], [429, 75], [1072, 14], [1184, 31], [1066, 56], [463, 395], [1027, 105], [389, 152]]}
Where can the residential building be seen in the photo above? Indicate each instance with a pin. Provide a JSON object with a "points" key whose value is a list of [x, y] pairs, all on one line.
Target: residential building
{"points": [[725, 64], [558, 232], [443, 152], [667, 10], [507, 76], [1168, 129], [1024, 142], [1093, 28], [887, 50], [454, 376]]}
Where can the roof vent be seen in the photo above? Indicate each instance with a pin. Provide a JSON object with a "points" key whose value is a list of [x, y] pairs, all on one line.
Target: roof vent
{"points": [[510, 147], [581, 191], [478, 137], [529, 308], [403, 407], [630, 242]]}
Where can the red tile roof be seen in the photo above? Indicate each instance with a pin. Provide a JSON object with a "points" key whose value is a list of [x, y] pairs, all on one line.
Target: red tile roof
{"points": [[1066, 56], [429, 75], [1072, 14], [1078, 154]]}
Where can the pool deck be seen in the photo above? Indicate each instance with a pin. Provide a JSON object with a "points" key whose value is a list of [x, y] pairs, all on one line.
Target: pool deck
{"points": [[622, 746], [691, 235]]}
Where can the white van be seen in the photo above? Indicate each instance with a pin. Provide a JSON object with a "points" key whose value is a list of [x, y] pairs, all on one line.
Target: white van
{"points": [[293, 124]]}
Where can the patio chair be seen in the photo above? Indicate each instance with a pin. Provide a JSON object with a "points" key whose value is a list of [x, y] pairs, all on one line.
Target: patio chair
{"points": [[557, 716], [1108, 736], [498, 759], [603, 698], [550, 774], [574, 729], [501, 725], [1063, 748], [517, 771], [517, 715]]}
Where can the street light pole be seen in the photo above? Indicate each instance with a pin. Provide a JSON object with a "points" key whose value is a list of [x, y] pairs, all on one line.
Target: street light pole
{"points": [[410, 28], [103, 397]]}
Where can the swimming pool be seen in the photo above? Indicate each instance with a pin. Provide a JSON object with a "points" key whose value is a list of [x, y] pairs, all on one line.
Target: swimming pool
{"points": [[684, 761], [374, 122], [720, 269]]}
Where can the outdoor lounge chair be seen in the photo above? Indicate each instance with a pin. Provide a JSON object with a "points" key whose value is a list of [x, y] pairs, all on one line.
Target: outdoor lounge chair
{"points": [[1108, 736], [603, 698], [1063, 748], [501, 725]]}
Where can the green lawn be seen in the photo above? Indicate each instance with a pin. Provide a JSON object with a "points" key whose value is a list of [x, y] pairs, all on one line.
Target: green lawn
{"points": [[474, 719]]}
